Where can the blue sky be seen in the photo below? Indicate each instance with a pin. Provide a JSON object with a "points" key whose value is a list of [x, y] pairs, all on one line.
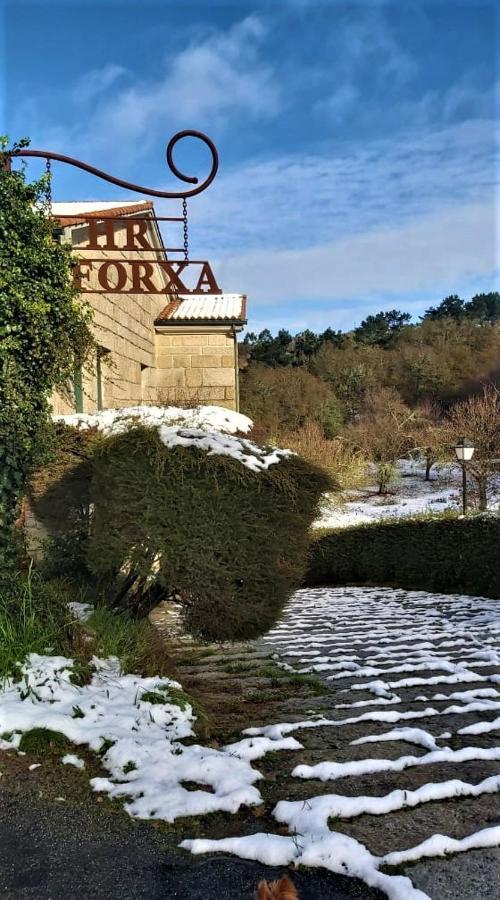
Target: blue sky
{"points": [[358, 141]]}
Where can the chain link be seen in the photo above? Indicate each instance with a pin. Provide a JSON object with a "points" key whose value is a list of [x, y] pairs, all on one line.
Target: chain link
{"points": [[48, 189], [186, 236]]}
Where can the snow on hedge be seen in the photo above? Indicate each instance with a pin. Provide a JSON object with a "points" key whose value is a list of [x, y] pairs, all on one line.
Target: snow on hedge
{"points": [[115, 421], [208, 428], [251, 455]]}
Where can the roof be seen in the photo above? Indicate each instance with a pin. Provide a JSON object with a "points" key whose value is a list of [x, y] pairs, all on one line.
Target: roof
{"points": [[204, 308], [73, 212]]}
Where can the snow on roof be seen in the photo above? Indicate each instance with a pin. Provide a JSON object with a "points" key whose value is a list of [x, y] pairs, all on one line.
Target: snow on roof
{"points": [[81, 207], [203, 307]]}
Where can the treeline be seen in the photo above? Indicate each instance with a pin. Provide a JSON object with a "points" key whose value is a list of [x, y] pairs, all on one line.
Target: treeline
{"points": [[381, 329], [384, 390]]}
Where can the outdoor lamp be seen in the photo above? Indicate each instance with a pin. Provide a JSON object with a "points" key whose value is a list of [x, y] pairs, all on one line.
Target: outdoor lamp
{"points": [[465, 451]]}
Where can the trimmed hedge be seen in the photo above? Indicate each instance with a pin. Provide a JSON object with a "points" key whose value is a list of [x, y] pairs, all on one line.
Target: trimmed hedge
{"points": [[231, 543], [445, 554]]}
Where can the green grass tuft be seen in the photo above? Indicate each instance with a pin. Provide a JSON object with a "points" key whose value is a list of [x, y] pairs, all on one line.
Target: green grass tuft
{"points": [[41, 741], [33, 619]]}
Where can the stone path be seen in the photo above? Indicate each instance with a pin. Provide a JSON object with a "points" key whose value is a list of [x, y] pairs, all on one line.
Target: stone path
{"points": [[365, 663]]}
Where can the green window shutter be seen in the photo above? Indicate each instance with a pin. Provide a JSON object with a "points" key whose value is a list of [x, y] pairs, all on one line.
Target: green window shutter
{"points": [[98, 369], [78, 386]]}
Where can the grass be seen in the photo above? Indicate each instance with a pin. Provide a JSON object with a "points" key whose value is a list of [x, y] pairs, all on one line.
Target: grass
{"points": [[136, 644], [41, 741], [235, 667], [33, 619], [278, 677]]}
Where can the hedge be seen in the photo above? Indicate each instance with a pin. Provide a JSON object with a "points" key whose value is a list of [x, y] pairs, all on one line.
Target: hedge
{"points": [[231, 543], [445, 554]]}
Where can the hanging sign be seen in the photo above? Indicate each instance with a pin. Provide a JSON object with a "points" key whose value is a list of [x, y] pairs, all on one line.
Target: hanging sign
{"points": [[115, 270]]}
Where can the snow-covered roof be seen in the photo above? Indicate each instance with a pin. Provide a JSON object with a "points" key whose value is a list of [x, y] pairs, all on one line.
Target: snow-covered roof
{"points": [[204, 308], [81, 207]]}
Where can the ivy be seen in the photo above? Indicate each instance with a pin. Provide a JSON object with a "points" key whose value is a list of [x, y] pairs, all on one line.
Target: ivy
{"points": [[44, 332]]}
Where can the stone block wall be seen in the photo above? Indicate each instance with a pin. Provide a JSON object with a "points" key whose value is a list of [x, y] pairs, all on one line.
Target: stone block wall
{"points": [[195, 366]]}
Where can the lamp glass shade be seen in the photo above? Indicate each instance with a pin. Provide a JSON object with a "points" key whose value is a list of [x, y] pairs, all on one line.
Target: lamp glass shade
{"points": [[464, 450]]}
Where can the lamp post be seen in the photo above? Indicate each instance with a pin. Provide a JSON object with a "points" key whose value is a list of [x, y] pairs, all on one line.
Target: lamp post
{"points": [[465, 451]]}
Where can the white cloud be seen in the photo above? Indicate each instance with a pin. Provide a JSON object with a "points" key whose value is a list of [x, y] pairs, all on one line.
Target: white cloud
{"points": [[306, 200], [428, 254], [207, 82], [210, 82], [96, 82]]}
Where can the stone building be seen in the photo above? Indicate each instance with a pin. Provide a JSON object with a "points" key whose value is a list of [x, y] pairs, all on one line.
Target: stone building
{"points": [[154, 345]]}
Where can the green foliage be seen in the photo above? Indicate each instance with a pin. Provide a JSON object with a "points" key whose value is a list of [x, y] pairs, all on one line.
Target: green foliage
{"points": [[451, 307], [482, 308], [232, 543], [34, 618], [285, 350], [446, 553], [284, 399], [43, 334], [381, 328], [135, 644], [42, 741]]}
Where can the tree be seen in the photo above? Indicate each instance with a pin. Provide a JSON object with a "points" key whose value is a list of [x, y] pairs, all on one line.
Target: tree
{"points": [[381, 328], [44, 333], [430, 434], [383, 433], [478, 418], [452, 307], [329, 336], [273, 351], [305, 345], [282, 399], [484, 308]]}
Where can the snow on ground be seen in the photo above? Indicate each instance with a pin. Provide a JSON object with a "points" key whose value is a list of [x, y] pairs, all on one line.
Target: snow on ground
{"points": [[139, 727], [361, 632], [139, 731], [408, 496]]}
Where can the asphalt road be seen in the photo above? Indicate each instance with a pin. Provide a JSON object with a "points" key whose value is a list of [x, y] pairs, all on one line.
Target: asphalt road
{"points": [[49, 850]]}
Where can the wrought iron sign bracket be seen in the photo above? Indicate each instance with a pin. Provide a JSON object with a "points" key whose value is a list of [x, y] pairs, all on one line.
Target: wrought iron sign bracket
{"points": [[152, 192]]}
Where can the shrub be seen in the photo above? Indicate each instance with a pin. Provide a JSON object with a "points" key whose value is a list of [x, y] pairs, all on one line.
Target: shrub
{"points": [[446, 553], [345, 466], [282, 400], [231, 542]]}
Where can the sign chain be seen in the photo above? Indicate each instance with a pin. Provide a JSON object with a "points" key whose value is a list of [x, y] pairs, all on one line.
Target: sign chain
{"points": [[48, 189], [185, 221]]}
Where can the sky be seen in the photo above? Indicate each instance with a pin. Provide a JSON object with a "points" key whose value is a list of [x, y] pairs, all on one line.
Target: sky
{"points": [[358, 141]]}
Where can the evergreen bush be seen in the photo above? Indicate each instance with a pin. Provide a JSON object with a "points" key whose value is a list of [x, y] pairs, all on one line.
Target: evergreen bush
{"points": [[232, 543], [447, 554]]}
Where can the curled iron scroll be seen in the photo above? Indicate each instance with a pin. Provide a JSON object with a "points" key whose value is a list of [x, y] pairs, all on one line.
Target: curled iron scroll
{"points": [[152, 192]]}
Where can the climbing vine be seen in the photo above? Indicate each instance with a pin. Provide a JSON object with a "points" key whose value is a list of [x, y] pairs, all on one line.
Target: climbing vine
{"points": [[44, 332]]}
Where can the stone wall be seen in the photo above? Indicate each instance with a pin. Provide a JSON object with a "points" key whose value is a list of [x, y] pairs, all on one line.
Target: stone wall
{"points": [[196, 366]]}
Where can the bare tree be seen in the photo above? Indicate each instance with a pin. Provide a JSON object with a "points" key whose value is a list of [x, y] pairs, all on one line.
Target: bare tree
{"points": [[478, 418], [384, 432]]}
